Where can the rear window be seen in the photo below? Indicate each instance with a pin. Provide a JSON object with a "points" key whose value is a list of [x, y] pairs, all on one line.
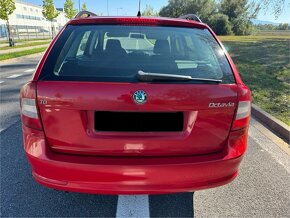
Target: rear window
{"points": [[115, 53]]}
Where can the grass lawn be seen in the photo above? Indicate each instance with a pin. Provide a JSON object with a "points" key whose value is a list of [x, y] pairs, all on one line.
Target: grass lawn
{"points": [[22, 53], [264, 64], [28, 44]]}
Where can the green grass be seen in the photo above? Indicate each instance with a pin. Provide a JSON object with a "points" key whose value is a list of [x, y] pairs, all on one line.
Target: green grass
{"points": [[25, 45], [264, 65], [24, 40], [274, 32], [253, 38], [21, 53]]}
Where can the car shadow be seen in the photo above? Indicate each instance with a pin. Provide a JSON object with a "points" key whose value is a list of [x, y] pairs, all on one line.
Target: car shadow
{"points": [[22, 196], [172, 205]]}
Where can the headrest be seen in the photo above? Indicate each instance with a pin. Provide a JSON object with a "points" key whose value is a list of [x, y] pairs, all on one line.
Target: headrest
{"points": [[113, 45], [161, 46]]}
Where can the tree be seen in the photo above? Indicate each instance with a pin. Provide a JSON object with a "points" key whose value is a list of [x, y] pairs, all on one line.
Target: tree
{"points": [[84, 6], [220, 24], [69, 10], [174, 8], [275, 6], [149, 11], [6, 8], [240, 13], [283, 26], [242, 27], [239, 9], [202, 8], [49, 12], [265, 27]]}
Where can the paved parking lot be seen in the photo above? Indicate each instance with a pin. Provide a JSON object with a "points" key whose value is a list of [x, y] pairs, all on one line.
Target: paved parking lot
{"points": [[261, 189]]}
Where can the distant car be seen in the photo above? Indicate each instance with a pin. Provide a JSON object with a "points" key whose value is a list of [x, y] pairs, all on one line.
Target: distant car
{"points": [[137, 36], [169, 114], [43, 30]]}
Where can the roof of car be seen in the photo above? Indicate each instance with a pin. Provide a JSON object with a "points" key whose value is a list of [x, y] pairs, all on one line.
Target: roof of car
{"points": [[142, 21]]}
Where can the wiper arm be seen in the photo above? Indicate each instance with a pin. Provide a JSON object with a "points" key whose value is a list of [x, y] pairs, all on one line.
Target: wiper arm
{"points": [[148, 77]]}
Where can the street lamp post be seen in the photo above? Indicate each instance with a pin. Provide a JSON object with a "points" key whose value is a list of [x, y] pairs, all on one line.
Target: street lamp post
{"points": [[118, 10], [107, 7]]}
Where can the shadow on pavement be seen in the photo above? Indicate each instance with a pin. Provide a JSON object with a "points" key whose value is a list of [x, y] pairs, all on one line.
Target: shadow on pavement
{"points": [[173, 205], [22, 196]]}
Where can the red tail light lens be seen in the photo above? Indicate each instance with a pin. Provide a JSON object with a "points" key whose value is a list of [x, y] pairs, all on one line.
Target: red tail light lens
{"points": [[28, 104], [138, 22]]}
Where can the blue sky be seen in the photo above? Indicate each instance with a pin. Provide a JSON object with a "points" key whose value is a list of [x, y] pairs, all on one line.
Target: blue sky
{"points": [[130, 8]]}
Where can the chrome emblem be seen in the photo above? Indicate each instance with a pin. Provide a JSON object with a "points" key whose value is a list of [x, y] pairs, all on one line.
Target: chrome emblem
{"points": [[43, 101], [140, 97], [217, 105]]}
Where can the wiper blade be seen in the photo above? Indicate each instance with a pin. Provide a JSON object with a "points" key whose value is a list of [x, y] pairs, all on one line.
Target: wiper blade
{"points": [[148, 77]]}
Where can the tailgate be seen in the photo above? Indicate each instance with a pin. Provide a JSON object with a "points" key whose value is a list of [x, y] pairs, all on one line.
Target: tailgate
{"points": [[95, 118]]}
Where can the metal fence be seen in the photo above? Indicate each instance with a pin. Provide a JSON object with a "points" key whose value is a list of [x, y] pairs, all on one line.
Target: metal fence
{"points": [[21, 32]]}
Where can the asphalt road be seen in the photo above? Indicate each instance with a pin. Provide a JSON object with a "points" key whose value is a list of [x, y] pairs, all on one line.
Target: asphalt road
{"points": [[261, 189]]}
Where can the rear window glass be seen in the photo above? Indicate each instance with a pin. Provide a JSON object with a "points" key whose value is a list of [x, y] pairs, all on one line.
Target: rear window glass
{"points": [[115, 53]]}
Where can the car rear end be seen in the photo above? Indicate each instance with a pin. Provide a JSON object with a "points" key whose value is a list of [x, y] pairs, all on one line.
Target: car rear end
{"points": [[133, 106]]}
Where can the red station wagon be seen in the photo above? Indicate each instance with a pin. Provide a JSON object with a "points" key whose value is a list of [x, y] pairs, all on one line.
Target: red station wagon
{"points": [[135, 105]]}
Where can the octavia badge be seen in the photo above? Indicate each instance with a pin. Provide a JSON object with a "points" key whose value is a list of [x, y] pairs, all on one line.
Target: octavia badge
{"points": [[140, 97]]}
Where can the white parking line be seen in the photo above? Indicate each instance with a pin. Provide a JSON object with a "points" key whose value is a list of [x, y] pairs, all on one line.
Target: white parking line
{"points": [[133, 206], [14, 76], [1, 82], [270, 142], [29, 70]]}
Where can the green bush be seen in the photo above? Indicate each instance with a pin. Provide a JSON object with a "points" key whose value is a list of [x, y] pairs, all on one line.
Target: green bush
{"points": [[242, 27], [220, 24]]}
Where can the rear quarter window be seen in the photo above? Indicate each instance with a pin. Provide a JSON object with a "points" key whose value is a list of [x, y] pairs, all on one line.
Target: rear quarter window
{"points": [[114, 53]]}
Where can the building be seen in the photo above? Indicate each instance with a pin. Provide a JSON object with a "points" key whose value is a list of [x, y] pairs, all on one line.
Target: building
{"points": [[27, 21]]}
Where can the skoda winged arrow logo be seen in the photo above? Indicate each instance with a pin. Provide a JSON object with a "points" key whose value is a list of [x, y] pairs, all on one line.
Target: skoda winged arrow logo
{"points": [[140, 97]]}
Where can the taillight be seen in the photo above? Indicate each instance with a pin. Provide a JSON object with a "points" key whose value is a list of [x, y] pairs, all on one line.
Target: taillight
{"points": [[28, 105], [244, 110], [28, 108], [243, 113]]}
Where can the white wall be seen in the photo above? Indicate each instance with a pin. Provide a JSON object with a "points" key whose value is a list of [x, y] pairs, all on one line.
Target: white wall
{"points": [[27, 18]]}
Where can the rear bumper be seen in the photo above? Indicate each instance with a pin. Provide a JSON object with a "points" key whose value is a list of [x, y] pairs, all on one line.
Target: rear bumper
{"points": [[116, 175]]}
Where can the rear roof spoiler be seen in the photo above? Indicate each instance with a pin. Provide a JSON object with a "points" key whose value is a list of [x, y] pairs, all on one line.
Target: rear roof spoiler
{"points": [[191, 17], [91, 14], [85, 14]]}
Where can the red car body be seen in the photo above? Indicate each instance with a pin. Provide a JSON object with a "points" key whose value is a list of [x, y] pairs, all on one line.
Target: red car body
{"points": [[67, 153]]}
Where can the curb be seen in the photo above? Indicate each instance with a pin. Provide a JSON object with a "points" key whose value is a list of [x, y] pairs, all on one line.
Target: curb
{"points": [[23, 61], [17, 65], [280, 128]]}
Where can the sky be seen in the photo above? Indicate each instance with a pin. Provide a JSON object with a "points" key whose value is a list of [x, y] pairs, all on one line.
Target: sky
{"points": [[130, 8]]}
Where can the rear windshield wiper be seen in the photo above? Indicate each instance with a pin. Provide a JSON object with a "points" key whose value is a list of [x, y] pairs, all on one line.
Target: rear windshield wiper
{"points": [[149, 77]]}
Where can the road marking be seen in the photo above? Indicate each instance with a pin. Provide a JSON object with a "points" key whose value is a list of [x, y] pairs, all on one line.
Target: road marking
{"points": [[262, 137], [29, 70], [133, 206], [14, 76], [1, 82]]}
